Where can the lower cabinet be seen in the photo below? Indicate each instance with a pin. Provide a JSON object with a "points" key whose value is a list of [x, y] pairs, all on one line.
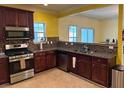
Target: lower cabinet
{"points": [[39, 61], [100, 71], [4, 72], [50, 59], [84, 64], [44, 60], [93, 68]]}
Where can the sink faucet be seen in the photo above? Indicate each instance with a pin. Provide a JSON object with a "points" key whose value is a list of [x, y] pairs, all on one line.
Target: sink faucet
{"points": [[86, 48]]}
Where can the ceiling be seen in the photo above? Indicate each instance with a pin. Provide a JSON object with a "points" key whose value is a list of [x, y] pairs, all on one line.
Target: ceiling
{"points": [[58, 7], [101, 13]]}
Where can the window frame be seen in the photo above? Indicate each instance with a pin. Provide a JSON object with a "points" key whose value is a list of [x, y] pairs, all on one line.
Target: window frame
{"points": [[40, 32], [76, 33], [87, 37]]}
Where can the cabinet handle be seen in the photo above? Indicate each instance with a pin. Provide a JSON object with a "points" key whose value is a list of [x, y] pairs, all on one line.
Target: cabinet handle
{"points": [[93, 65], [98, 60], [73, 62]]}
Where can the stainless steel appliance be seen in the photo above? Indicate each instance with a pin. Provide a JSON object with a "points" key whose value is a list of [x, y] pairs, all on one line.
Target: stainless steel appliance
{"points": [[13, 33], [21, 64], [118, 76]]}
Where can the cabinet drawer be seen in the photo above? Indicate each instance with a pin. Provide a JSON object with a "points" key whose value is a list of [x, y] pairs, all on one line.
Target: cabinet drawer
{"points": [[99, 60], [3, 60], [50, 52], [39, 53], [84, 58]]}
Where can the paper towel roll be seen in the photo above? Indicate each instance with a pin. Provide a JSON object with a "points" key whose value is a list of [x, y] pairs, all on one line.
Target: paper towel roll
{"points": [[22, 63], [73, 62]]}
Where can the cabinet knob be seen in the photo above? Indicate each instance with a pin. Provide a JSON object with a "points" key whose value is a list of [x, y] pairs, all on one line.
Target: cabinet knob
{"points": [[98, 60]]}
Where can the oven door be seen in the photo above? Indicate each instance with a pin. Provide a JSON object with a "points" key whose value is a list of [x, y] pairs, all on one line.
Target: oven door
{"points": [[15, 67]]}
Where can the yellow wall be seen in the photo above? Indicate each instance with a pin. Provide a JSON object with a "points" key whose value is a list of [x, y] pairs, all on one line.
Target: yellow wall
{"points": [[51, 23], [50, 19], [120, 28]]}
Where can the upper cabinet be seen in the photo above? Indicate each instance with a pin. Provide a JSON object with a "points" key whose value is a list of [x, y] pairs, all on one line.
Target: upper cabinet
{"points": [[30, 24], [1, 19], [10, 18], [22, 18], [16, 18]]}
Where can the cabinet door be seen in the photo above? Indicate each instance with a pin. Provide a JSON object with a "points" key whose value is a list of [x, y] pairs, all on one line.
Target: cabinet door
{"points": [[1, 20], [84, 66], [51, 60], [10, 17], [2, 36], [4, 72], [22, 18], [99, 73], [31, 24], [39, 62]]}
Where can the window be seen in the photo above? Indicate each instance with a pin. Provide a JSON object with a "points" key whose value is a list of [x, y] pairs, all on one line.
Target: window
{"points": [[87, 35], [39, 31], [72, 33]]}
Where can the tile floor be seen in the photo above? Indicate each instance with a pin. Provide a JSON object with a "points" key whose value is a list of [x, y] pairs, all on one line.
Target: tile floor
{"points": [[54, 78]]}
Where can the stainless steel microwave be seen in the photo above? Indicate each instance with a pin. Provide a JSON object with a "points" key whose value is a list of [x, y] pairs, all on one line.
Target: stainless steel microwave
{"points": [[13, 33]]}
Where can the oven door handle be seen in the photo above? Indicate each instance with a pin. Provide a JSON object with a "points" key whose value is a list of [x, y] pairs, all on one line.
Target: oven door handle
{"points": [[14, 60]]}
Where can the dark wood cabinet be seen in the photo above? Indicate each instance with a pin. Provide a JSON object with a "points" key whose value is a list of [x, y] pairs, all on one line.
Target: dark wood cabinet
{"points": [[101, 70], [50, 59], [4, 72], [2, 36], [10, 17], [22, 18], [1, 19], [39, 61], [15, 18], [44, 60], [31, 24], [99, 73], [84, 64]]}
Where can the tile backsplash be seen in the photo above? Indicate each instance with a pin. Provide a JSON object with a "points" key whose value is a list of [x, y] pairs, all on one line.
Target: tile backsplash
{"points": [[53, 42]]}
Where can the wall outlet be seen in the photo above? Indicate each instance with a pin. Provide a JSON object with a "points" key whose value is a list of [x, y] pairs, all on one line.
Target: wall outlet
{"points": [[66, 43], [111, 47], [48, 42], [72, 44]]}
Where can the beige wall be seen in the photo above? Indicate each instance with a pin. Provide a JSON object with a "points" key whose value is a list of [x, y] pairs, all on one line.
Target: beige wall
{"points": [[103, 28], [109, 28], [80, 22]]}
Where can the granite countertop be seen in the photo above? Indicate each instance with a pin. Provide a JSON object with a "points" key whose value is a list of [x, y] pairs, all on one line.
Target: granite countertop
{"points": [[2, 55], [44, 50], [95, 54]]}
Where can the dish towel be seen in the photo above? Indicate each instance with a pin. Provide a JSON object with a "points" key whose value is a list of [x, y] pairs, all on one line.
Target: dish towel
{"points": [[22, 63], [73, 62]]}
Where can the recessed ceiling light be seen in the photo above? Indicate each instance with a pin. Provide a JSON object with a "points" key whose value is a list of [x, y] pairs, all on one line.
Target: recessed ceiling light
{"points": [[45, 4]]}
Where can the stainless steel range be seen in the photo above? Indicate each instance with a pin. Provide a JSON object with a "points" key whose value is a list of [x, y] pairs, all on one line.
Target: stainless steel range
{"points": [[21, 63]]}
